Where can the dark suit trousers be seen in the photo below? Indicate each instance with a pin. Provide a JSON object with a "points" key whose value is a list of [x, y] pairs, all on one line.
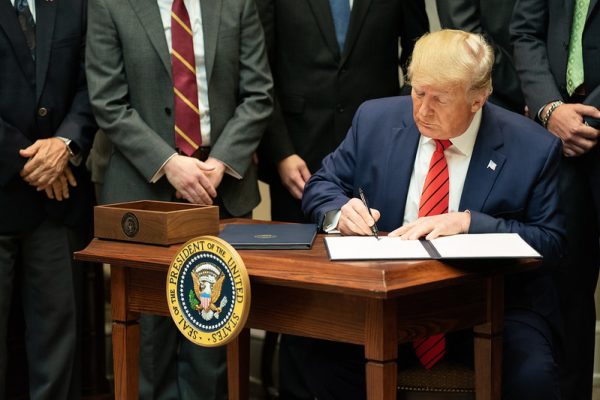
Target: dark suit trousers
{"points": [[576, 279], [284, 207], [44, 261], [336, 371]]}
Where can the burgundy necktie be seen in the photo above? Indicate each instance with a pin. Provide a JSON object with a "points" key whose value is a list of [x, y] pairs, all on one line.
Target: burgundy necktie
{"points": [[187, 115], [434, 201]]}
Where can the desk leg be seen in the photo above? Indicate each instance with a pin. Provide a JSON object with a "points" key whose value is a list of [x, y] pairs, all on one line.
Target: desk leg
{"points": [[488, 344], [126, 345], [238, 366], [381, 349], [382, 380], [125, 337]]}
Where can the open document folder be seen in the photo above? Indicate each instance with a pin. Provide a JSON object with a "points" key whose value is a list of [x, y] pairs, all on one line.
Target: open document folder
{"points": [[489, 245]]}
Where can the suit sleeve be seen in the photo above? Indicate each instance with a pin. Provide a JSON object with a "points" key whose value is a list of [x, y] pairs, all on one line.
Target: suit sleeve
{"points": [[79, 124], [108, 88], [11, 141], [542, 224], [242, 133], [331, 186], [528, 32]]}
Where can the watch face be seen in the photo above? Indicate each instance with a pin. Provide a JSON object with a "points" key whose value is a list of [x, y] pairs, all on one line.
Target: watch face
{"points": [[73, 148]]}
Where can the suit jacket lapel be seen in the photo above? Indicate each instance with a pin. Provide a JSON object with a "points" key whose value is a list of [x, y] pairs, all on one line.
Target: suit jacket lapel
{"points": [[322, 14], [44, 30], [211, 18], [10, 25], [486, 164], [149, 16], [593, 3], [357, 17]]}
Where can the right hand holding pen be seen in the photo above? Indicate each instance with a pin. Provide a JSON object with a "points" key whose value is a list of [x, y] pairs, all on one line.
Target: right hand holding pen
{"points": [[355, 218], [188, 176]]}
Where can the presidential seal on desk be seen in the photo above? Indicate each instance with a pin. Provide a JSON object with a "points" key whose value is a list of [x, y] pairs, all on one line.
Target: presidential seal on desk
{"points": [[208, 291]]}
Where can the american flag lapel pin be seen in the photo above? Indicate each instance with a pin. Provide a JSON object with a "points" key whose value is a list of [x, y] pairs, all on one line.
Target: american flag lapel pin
{"points": [[492, 165]]}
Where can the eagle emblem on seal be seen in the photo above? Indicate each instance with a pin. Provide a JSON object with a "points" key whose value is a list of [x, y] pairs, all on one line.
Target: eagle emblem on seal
{"points": [[208, 281]]}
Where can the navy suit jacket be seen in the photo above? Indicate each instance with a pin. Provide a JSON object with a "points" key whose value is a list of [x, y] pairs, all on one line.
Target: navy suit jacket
{"points": [[519, 195], [42, 99]]}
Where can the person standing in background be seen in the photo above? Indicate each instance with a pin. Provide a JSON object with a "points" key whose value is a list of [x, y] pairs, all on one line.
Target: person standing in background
{"points": [[557, 57], [46, 127], [489, 18], [327, 57], [182, 88]]}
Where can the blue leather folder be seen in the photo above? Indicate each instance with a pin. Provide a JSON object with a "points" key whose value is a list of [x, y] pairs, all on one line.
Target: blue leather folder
{"points": [[269, 236]]}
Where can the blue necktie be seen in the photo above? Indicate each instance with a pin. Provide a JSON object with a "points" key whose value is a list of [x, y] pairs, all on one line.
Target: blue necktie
{"points": [[340, 10]]}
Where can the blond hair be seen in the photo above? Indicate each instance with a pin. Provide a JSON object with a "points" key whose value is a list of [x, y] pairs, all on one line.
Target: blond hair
{"points": [[452, 57]]}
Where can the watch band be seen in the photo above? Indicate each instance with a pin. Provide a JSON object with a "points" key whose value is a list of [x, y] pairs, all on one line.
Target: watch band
{"points": [[72, 147]]}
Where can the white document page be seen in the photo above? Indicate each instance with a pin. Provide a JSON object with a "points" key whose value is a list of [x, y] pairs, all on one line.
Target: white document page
{"points": [[492, 245], [488, 245], [369, 248]]}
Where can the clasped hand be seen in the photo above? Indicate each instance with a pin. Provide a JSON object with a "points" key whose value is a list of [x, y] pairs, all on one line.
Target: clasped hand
{"points": [[194, 180], [47, 168]]}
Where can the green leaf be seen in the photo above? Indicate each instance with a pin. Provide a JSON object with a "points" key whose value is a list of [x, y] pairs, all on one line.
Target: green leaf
{"points": [[193, 300]]}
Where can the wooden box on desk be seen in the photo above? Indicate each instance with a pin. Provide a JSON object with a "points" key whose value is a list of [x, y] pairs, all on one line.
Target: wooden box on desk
{"points": [[155, 222]]}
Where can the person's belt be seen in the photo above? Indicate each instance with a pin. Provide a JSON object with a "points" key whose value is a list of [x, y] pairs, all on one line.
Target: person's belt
{"points": [[201, 153]]}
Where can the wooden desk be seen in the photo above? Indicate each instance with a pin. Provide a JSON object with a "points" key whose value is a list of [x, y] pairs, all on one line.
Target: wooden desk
{"points": [[300, 292]]}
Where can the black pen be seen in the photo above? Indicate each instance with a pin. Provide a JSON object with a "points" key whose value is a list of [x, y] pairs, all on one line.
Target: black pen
{"points": [[374, 229]]}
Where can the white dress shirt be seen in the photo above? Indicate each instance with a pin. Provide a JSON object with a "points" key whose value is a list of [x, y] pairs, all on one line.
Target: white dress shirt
{"points": [[458, 157]]}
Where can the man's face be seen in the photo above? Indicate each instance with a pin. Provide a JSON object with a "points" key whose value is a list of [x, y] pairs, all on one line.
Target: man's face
{"points": [[443, 112]]}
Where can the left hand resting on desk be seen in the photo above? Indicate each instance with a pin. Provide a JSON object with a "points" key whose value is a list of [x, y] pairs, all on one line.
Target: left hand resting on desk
{"points": [[435, 226], [355, 218]]}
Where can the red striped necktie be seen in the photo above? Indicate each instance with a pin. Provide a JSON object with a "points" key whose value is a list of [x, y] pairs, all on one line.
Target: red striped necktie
{"points": [[187, 115], [434, 201]]}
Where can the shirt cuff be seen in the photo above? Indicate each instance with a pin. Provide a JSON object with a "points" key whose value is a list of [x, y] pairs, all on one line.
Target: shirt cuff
{"points": [[161, 171], [331, 220], [232, 172]]}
